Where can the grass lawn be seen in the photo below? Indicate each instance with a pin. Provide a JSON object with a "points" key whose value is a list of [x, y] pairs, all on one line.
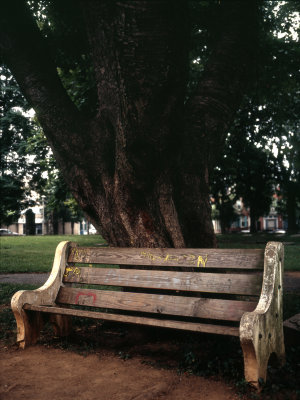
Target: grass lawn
{"points": [[259, 241], [36, 253]]}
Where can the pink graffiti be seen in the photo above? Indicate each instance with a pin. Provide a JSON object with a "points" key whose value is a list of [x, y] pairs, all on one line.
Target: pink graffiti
{"points": [[85, 294]]}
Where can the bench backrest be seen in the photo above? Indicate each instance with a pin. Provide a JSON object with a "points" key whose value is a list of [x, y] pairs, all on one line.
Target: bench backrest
{"points": [[196, 285]]}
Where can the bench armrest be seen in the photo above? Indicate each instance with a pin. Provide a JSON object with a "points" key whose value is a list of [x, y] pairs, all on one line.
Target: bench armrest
{"points": [[45, 295], [261, 331]]}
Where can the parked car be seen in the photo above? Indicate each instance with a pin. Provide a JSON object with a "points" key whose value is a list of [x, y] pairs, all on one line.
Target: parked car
{"points": [[7, 232]]}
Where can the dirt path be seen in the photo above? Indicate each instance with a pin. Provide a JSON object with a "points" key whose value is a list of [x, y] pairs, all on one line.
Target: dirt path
{"points": [[107, 361], [24, 278], [40, 373]]}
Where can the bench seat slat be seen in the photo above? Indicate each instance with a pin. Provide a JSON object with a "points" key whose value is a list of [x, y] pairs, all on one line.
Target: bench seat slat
{"points": [[199, 258], [244, 284], [230, 310], [190, 326]]}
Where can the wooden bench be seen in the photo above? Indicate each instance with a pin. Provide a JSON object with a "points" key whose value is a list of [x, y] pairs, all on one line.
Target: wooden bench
{"points": [[221, 291]]}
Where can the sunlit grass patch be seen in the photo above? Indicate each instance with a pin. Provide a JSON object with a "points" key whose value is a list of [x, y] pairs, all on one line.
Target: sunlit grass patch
{"points": [[259, 241], [36, 253]]}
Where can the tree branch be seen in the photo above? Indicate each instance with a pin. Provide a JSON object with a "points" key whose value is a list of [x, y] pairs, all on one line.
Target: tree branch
{"points": [[25, 52]]}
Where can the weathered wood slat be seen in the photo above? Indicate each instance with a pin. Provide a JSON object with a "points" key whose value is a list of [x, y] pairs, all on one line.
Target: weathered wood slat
{"points": [[198, 258], [230, 310], [190, 326], [168, 280]]}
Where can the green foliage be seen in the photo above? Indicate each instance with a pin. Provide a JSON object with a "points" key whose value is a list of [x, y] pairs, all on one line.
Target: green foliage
{"points": [[59, 203], [289, 178], [15, 127], [11, 199], [61, 24], [262, 149], [254, 179], [277, 101], [25, 153], [20, 169], [223, 207], [245, 171], [204, 20]]}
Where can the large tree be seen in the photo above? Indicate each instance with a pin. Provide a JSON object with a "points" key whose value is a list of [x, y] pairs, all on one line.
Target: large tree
{"points": [[137, 153]]}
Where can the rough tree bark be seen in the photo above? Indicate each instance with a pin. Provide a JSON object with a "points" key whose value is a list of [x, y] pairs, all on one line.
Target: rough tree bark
{"points": [[139, 168]]}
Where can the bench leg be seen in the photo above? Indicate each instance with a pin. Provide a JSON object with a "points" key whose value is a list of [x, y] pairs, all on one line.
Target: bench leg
{"points": [[256, 361], [29, 325], [62, 324], [255, 369]]}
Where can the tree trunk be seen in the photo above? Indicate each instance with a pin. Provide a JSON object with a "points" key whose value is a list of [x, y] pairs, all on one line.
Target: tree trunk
{"points": [[140, 167], [253, 220], [223, 222], [30, 222], [54, 223], [291, 209]]}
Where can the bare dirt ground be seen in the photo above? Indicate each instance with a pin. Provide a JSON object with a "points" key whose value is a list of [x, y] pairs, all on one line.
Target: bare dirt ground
{"points": [[112, 363], [123, 362], [40, 373], [122, 365]]}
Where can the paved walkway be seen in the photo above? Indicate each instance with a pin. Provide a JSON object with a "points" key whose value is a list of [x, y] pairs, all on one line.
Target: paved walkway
{"points": [[27, 278], [291, 280]]}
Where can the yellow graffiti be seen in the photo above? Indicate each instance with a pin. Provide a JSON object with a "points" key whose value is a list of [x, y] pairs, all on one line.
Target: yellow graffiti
{"points": [[77, 253], [191, 259], [171, 258], [201, 261], [73, 270]]}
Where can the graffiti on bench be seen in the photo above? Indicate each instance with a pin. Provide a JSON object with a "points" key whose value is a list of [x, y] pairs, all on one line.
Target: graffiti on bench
{"points": [[191, 259]]}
